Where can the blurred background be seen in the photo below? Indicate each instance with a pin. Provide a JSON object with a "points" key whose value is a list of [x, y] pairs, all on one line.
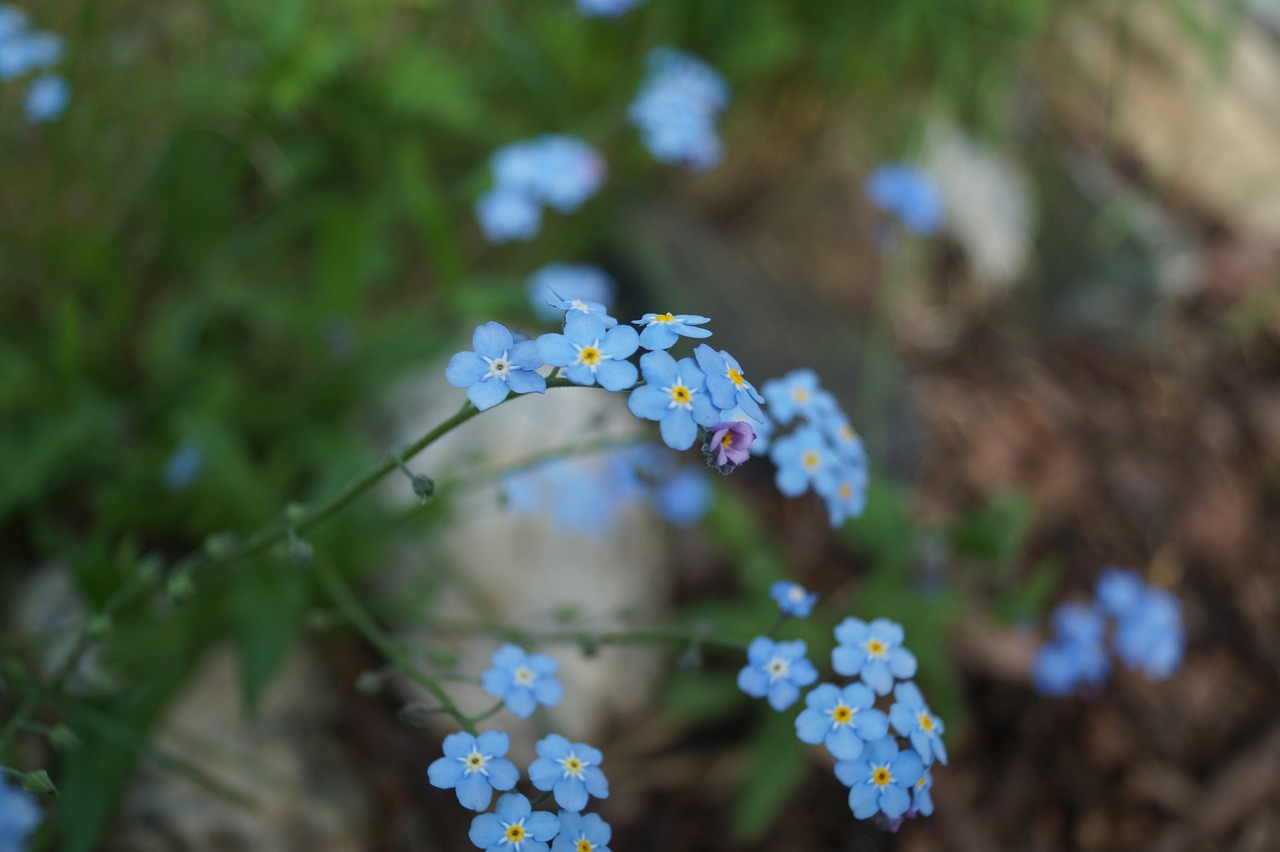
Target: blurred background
{"points": [[240, 241]]}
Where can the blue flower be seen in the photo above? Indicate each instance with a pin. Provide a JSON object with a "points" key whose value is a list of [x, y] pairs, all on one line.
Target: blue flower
{"points": [[12, 22], [46, 98], [570, 770], [1120, 591], [907, 193], [1077, 656], [560, 287], [19, 817], [474, 767], [674, 394], [796, 394], [676, 109], [921, 795], [582, 833], [506, 215], [606, 8], [22, 52], [570, 171], [845, 491], [880, 779], [497, 365], [776, 670], [793, 599], [522, 680], [873, 652], [183, 467], [842, 719], [684, 497], [661, 331], [726, 383], [911, 718], [591, 353], [513, 827], [803, 459], [1150, 637]]}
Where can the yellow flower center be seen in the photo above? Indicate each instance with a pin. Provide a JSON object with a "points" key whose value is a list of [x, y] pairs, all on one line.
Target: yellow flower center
{"points": [[572, 765], [515, 833], [875, 648], [842, 714], [727, 440], [847, 434], [680, 395], [880, 777], [664, 318], [810, 460], [846, 491], [475, 761], [736, 377], [589, 355], [800, 395], [926, 723], [584, 845]]}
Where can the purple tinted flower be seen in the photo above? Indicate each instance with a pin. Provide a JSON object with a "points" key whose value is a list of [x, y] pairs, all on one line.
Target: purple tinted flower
{"points": [[727, 445]]}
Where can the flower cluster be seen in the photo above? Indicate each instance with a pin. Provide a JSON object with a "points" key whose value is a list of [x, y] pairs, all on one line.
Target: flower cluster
{"points": [[606, 8], [1147, 635], [583, 495], [883, 775], [475, 766], [822, 452], [676, 109], [19, 816], [557, 170], [24, 51], [907, 193]]}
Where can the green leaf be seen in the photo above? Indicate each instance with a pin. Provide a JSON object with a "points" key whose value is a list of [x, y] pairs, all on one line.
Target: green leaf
{"points": [[776, 765], [694, 698], [267, 605]]}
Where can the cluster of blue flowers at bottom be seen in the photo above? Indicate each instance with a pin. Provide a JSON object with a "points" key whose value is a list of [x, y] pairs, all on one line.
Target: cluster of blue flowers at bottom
{"points": [[1147, 635], [882, 757], [476, 766], [24, 51], [557, 170], [20, 816]]}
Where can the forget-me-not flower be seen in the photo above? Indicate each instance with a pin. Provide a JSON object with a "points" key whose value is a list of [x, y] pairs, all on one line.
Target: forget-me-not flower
{"points": [[912, 719], [661, 331], [582, 833], [684, 497], [842, 719], [497, 365], [606, 8], [676, 109], [183, 467], [922, 796], [796, 394], [728, 445], [845, 492], [907, 193], [880, 779], [872, 652], [1150, 637], [1077, 656], [802, 459], [675, 395], [558, 288], [726, 382], [570, 770], [793, 599], [522, 680], [776, 670], [514, 827], [507, 215], [474, 767], [19, 816], [1119, 591], [46, 99], [591, 353]]}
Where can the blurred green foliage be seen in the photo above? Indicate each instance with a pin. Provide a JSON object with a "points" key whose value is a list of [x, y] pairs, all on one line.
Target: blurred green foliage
{"points": [[254, 217]]}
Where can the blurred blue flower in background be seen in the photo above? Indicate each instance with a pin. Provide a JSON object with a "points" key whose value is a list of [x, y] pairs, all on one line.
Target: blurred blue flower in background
{"points": [[19, 816], [907, 193], [1149, 636], [22, 52], [676, 109], [558, 170], [793, 599], [560, 287], [684, 497], [606, 8], [47, 98], [1077, 656], [183, 467]]}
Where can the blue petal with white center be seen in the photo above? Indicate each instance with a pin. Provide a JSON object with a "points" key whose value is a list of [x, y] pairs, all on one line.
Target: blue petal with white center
{"points": [[841, 719], [522, 680], [776, 671], [912, 719], [661, 331], [880, 779], [872, 652], [514, 827], [726, 382], [571, 771], [582, 833], [803, 460], [793, 599], [498, 365], [474, 767]]}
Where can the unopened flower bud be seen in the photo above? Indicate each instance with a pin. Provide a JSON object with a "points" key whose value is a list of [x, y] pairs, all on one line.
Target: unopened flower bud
{"points": [[38, 783]]}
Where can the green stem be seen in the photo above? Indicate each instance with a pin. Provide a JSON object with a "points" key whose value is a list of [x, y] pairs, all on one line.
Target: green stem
{"points": [[383, 641]]}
